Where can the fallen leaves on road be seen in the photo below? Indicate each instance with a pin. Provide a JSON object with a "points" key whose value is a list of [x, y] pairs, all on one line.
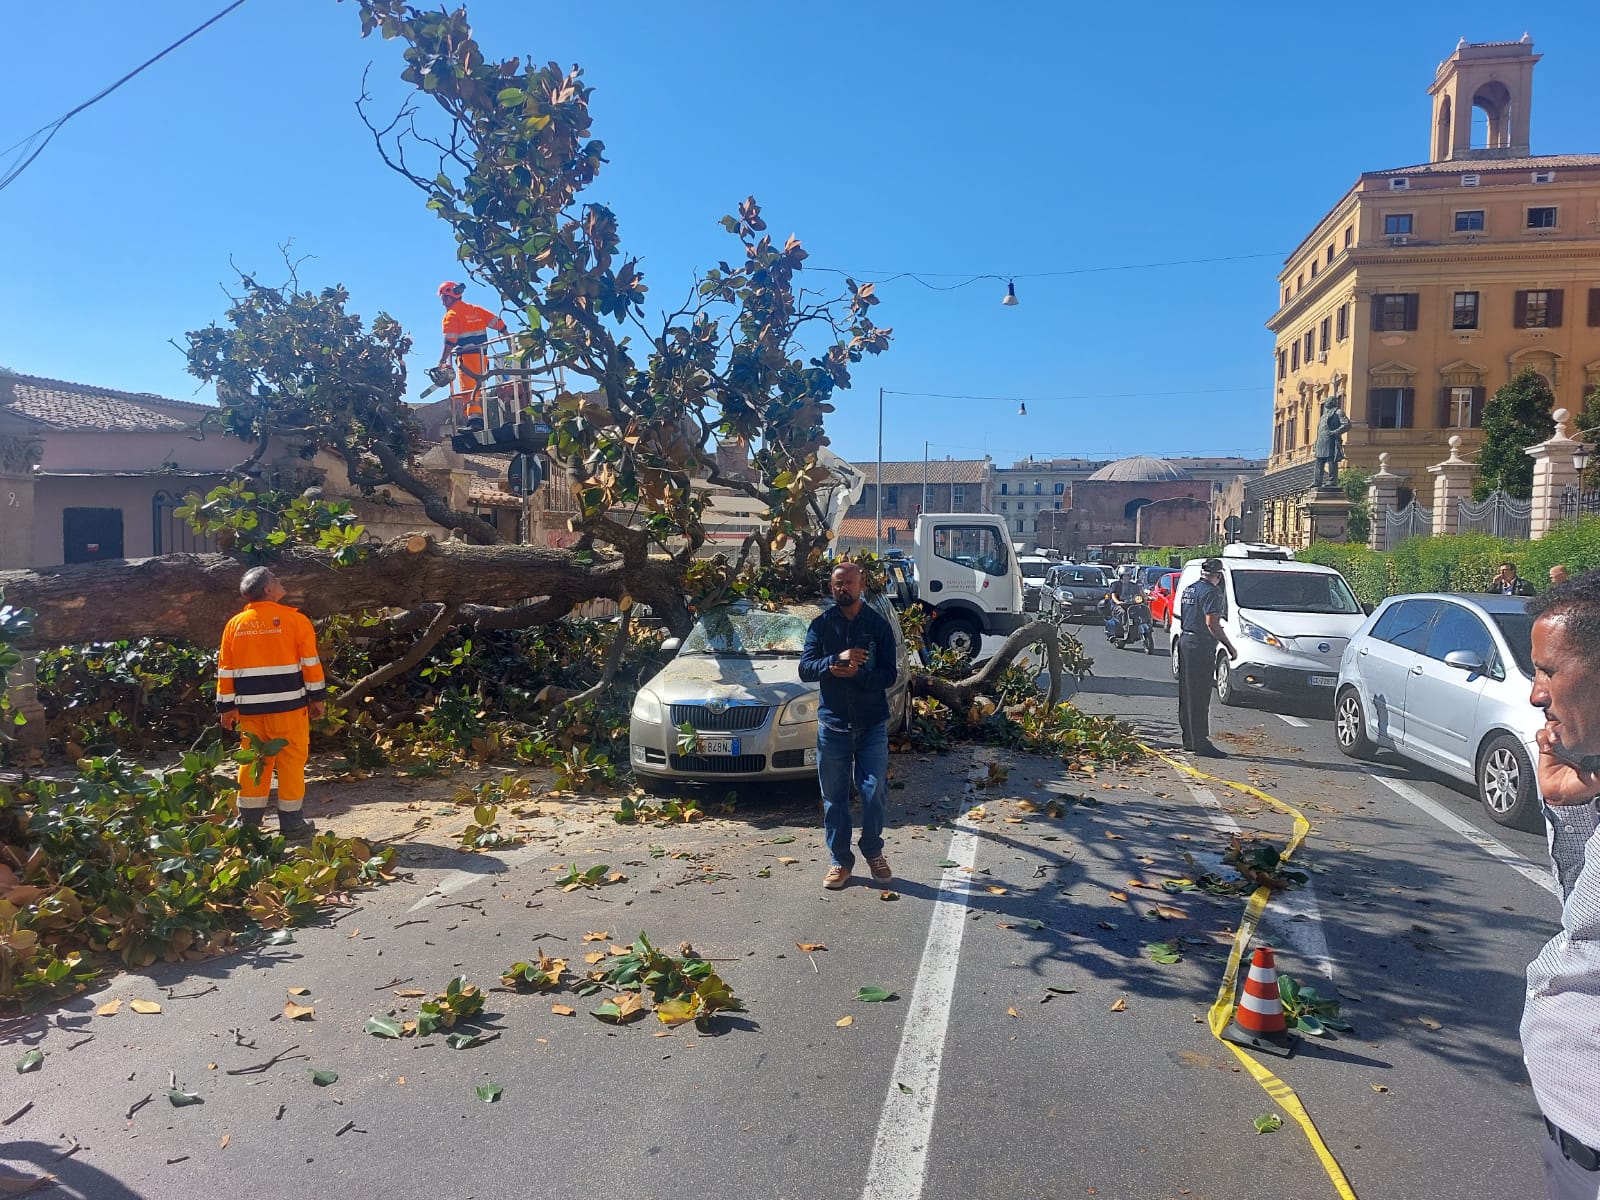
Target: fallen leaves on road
{"points": [[489, 1093], [844, 1022], [1011, 1012], [109, 1009], [1430, 1023], [809, 947], [1121, 1004], [563, 1010], [298, 1012], [324, 1078], [875, 995], [1118, 895], [1268, 1123], [601, 936], [1379, 1087], [31, 1061], [144, 1006]]}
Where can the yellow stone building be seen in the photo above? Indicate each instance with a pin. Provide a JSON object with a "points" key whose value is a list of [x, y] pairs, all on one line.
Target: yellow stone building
{"points": [[1425, 288]]}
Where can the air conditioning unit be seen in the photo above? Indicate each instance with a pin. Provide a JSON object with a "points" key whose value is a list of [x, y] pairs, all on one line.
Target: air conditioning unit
{"points": [[1322, 356], [1469, 181], [1544, 176], [1399, 184]]}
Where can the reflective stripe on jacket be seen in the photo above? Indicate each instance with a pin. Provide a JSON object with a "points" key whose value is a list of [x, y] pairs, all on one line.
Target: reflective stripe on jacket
{"points": [[466, 326], [268, 662]]}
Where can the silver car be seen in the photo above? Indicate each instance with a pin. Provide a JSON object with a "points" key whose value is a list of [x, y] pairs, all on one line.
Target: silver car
{"points": [[1444, 680], [730, 703]]}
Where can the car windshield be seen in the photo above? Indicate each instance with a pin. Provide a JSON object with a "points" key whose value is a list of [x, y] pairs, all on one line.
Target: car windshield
{"points": [[1034, 570], [1517, 629], [1293, 591], [746, 633], [1083, 577]]}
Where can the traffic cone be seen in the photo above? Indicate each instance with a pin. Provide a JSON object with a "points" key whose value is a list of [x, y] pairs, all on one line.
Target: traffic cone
{"points": [[1258, 1021]]}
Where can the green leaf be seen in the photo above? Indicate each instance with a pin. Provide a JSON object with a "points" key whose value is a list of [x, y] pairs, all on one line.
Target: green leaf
{"points": [[1308, 1024], [511, 95], [462, 1040], [384, 1027], [324, 1078], [947, 863], [1164, 952], [783, 841], [875, 995], [1268, 1123], [279, 937], [31, 1061], [903, 1088], [182, 1099], [489, 1092]]}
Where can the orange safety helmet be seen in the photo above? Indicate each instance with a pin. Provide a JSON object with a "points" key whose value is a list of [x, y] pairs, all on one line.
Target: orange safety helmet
{"points": [[452, 289]]}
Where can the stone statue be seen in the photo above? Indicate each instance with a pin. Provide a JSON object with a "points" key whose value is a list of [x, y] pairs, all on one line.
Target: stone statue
{"points": [[1329, 447]]}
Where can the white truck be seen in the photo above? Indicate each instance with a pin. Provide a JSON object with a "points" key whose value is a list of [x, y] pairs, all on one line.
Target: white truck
{"points": [[967, 578]]}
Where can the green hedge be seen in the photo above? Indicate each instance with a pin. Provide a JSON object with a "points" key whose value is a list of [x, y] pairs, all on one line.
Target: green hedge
{"points": [[1461, 563]]}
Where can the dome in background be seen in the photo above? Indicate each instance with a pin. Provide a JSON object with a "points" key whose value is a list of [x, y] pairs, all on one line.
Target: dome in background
{"points": [[1141, 468]]}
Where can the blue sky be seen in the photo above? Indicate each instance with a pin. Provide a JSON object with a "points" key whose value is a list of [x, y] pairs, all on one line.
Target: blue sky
{"points": [[932, 137]]}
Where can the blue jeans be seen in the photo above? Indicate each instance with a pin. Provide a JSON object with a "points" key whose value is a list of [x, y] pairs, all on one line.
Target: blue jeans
{"points": [[862, 757]]}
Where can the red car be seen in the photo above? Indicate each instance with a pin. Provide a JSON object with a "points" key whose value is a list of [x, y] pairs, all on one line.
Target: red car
{"points": [[1161, 599]]}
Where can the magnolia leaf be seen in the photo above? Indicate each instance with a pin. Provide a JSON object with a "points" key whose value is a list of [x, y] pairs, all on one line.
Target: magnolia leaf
{"points": [[1164, 952], [279, 937], [599, 936], [562, 1010], [462, 1040], [1060, 991], [947, 863], [144, 1006], [31, 1061], [844, 1022], [182, 1099], [109, 1009], [298, 1012], [1430, 1023], [1308, 1024], [1268, 1123], [384, 1027], [875, 995], [903, 1088], [788, 862], [1170, 913], [489, 1092], [1121, 1004], [676, 1010], [1011, 1012], [995, 889], [299, 991], [809, 947], [1379, 1087], [410, 992], [324, 1078], [1118, 895], [621, 1009], [888, 895], [782, 841]]}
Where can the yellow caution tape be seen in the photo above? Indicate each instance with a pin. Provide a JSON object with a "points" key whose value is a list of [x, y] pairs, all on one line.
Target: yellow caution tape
{"points": [[1222, 1007]]}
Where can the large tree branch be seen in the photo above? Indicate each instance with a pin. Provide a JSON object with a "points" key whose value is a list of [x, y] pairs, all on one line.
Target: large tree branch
{"points": [[613, 661], [429, 638], [959, 694], [474, 529]]}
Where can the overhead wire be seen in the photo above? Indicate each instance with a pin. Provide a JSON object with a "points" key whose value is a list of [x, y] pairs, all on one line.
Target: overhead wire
{"points": [[922, 277], [52, 128]]}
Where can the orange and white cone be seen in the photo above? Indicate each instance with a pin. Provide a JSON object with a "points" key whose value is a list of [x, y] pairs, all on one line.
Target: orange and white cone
{"points": [[1258, 1021]]}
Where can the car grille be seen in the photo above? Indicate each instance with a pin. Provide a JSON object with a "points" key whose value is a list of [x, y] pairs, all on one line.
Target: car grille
{"points": [[789, 758], [734, 718], [719, 764]]}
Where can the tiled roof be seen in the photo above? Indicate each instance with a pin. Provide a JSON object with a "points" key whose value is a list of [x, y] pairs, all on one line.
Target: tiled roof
{"points": [[861, 528], [1482, 166], [57, 404], [900, 474]]}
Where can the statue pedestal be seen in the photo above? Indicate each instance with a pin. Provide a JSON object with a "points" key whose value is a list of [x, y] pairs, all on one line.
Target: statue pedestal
{"points": [[1329, 510]]}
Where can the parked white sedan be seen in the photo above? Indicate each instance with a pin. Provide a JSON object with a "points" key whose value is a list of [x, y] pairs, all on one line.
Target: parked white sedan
{"points": [[1444, 680], [731, 705]]}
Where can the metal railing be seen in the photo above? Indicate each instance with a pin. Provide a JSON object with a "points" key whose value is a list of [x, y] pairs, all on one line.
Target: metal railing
{"points": [[513, 399], [1575, 503], [1411, 521], [1499, 515]]}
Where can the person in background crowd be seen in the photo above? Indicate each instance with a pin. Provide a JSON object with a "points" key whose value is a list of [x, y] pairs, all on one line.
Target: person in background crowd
{"points": [[1558, 575], [1508, 583], [1561, 1016]]}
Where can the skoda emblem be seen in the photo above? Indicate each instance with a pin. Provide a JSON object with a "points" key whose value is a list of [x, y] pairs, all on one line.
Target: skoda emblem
{"points": [[717, 705], [1323, 647]]}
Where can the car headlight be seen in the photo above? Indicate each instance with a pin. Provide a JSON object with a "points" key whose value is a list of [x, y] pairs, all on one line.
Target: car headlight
{"points": [[801, 711], [647, 707], [1257, 634]]}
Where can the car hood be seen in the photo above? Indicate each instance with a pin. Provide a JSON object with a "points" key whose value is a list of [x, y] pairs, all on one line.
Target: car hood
{"points": [[698, 677], [1309, 630]]}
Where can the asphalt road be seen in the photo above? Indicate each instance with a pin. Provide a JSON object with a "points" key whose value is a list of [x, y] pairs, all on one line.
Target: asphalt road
{"points": [[978, 1080]]}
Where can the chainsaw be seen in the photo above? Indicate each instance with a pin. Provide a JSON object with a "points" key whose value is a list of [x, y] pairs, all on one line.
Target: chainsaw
{"points": [[441, 376]]}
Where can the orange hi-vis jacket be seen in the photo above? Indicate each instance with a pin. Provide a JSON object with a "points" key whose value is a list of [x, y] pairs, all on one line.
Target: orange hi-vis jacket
{"points": [[268, 662], [466, 327]]}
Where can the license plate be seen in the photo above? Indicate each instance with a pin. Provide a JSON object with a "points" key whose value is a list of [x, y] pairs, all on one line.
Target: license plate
{"points": [[719, 745], [1323, 680]]}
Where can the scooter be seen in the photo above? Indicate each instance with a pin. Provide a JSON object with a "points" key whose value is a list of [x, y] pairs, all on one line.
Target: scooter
{"points": [[1131, 622]]}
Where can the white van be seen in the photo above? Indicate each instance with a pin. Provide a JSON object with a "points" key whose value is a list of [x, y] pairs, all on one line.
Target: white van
{"points": [[1290, 622]]}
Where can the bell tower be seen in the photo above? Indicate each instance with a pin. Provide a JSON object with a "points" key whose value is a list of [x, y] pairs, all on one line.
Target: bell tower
{"points": [[1495, 78]]}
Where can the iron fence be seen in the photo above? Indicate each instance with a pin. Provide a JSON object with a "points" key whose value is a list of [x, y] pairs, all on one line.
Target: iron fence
{"points": [[1499, 515], [1579, 504], [1411, 521]]}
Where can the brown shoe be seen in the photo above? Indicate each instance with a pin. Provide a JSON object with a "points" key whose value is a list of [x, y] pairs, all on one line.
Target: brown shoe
{"points": [[880, 869], [836, 878]]}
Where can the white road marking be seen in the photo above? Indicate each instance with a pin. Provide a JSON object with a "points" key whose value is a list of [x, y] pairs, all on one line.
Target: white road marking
{"points": [[1295, 721], [1294, 915], [900, 1150], [456, 880], [1480, 839]]}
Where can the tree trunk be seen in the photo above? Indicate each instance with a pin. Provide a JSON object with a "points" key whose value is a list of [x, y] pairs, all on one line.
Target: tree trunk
{"points": [[191, 596], [959, 694]]}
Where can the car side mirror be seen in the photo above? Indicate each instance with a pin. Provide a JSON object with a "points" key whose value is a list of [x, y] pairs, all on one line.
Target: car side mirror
{"points": [[1464, 660], [670, 645]]}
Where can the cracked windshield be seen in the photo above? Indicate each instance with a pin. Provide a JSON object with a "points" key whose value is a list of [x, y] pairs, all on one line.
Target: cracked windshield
{"points": [[405, 739]]}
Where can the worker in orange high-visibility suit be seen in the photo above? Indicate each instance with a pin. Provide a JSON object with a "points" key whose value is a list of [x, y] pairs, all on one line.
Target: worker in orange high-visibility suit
{"points": [[270, 685], [466, 333]]}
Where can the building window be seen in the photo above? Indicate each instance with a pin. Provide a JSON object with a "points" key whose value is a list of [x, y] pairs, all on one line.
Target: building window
{"points": [[891, 497], [1396, 223], [1300, 282], [1594, 307], [1060, 489], [1283, 363], [893, 529], [1314, 265], [1309, 341], [1330, 254], [1286, 294], [1289, 431], [1003, 506], [1003, 488], [1277, 439], [1037, 505], [1469, 221], [1394, 312], [958, 495], [1349, 236], [1539, 309], [1343, 322], [1543, 217], [1391, 408], [1038, 488], [1324, 333], [1294, 355], [1056, 505], [1464, 313], [1463, 408]]}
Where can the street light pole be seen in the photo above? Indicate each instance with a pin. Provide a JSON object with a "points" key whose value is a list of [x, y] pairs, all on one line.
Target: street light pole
{"points": [[924, 477], [877, 498]]}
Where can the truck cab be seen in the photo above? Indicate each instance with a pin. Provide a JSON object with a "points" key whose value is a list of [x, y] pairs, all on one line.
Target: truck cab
{"points": [[968, 578]]}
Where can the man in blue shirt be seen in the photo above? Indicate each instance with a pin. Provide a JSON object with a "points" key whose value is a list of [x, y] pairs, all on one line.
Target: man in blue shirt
{"points": [[1201, 612], [850, 650]]}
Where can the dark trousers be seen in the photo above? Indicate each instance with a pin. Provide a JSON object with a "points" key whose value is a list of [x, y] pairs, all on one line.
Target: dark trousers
{"points": [[1564, 1179], [1195, 677]]}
